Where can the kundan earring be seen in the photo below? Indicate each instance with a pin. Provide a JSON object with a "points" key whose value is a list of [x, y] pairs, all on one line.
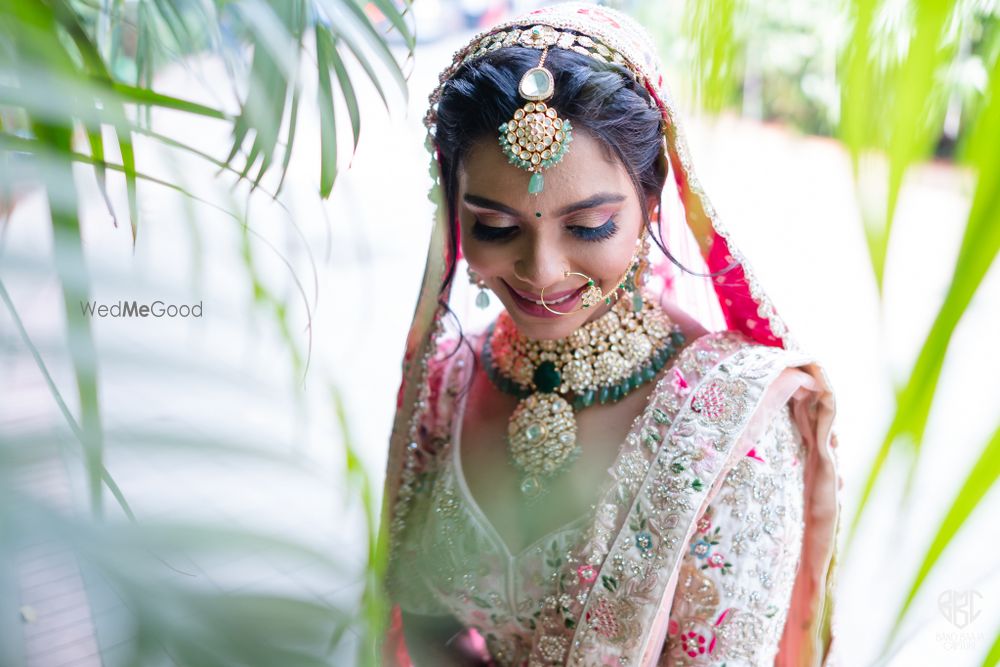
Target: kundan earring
{"points": [[637, 273], [536, 137], [483, 298]]}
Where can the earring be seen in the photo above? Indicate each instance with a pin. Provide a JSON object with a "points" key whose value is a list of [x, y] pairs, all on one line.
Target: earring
{"points": [[636, 275], [644, 263], [483, 298]]}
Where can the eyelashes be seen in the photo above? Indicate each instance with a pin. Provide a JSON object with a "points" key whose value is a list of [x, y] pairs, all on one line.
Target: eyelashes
{"points": [[602, 233], [488, 234]]}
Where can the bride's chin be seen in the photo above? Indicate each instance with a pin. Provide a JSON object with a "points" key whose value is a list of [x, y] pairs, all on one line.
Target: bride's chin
{"points": [[540, 329]]}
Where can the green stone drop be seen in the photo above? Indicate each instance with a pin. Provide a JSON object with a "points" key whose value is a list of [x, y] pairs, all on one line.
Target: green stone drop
{"points": [[482, 299], [546, 377], [588, 398], [616, 393], [677, 338], [636, 301], [626, 385], [602, 397], [536, 183], [636, 379], [648, 373]]}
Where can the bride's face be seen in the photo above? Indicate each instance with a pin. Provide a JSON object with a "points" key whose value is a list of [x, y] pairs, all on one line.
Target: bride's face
{"points": [[586, 220]]}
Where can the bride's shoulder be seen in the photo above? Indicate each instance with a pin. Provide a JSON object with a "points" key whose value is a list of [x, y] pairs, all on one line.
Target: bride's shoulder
{"points": [[697, 335], [689, 326]]}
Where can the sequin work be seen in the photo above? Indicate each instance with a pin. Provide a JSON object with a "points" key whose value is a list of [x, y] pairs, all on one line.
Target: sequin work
{"points": [[737, 569]]}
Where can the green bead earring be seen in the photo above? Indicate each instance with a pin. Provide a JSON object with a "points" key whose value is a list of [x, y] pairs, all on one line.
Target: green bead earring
{"points": [[483, 298]]}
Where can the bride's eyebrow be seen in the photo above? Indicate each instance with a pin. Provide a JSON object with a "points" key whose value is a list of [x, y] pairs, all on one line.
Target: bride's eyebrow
{"points": [[593, 201]]}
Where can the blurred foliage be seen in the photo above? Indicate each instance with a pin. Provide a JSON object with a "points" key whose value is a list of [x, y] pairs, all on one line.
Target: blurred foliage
{"points": [[77, 87], [901, 80], [777, 60], [899, 83]]}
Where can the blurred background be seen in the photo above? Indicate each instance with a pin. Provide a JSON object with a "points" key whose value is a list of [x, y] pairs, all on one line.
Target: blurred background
{"points": [[203, 487]]}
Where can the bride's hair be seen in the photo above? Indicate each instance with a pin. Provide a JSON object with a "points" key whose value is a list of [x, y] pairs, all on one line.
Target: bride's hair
{"points": [[599, 98]]}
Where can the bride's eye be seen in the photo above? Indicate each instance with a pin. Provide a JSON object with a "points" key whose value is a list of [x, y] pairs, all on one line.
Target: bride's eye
{"points": [[602, 233], [487, 233]]}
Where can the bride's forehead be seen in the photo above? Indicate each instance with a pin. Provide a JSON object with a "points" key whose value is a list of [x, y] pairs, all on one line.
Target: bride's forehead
{"points": [[585, 169]]}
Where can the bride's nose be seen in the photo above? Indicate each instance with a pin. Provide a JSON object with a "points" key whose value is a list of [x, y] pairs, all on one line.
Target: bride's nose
{"points": [[542, 266]]}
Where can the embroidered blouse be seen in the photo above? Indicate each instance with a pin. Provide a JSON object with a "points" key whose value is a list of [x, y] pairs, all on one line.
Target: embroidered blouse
{"points": [[736, 576]]}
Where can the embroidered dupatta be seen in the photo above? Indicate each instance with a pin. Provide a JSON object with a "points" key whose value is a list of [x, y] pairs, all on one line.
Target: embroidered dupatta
{"points": [[691, 439], [701, 421]]}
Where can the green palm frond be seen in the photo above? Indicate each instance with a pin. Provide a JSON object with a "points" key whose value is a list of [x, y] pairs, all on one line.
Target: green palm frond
{"points": [[981, 478], [78, 89], [979, 248], [992, 658]]}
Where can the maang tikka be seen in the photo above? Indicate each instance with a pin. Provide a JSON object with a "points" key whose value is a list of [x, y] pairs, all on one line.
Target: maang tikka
{"points": [[536, 137]]}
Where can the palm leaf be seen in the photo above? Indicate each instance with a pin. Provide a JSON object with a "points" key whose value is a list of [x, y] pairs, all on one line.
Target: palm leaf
{"points": [[327, 113], [980, 244], [981, 478], [993, 655], [712, 27], [67, 414]]}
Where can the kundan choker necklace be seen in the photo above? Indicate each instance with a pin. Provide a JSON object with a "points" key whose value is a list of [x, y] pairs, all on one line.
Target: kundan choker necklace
{"points": [[601, 362]]}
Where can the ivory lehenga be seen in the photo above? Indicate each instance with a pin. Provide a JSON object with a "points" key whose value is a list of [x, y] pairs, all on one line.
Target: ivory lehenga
{"points": [[713, 539]]}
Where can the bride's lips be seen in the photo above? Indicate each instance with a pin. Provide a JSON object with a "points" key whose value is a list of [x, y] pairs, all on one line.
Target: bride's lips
{"points": [[525, 301]]}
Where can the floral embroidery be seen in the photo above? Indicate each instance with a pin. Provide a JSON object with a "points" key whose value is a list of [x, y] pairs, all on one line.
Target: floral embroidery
{"points": [[696, 641], [679, 384], [725, 600], [722, 403], [705, 522], [587, 573], [701, 548], [597, 584], [684, 466], [613, 620]]}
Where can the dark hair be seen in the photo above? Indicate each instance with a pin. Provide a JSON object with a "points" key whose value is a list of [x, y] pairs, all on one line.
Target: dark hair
{"points": [[601, 99]]}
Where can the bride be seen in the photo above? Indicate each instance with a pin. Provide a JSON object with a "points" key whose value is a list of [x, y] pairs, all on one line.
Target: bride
{"points": [[596, 479]]}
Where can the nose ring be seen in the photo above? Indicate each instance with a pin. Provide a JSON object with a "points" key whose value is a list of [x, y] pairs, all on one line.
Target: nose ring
{"points": [[591, 296]]}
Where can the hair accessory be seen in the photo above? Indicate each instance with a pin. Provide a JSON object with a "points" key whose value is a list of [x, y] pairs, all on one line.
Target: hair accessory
{"points": [[536, 137], [601, 362]]}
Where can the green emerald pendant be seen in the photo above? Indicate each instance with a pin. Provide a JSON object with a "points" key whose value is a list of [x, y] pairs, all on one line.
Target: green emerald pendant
{"points": [[546, 377]]}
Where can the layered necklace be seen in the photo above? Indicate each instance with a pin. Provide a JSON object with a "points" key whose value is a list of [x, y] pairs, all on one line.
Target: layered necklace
{"points": [[600, 362]]}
